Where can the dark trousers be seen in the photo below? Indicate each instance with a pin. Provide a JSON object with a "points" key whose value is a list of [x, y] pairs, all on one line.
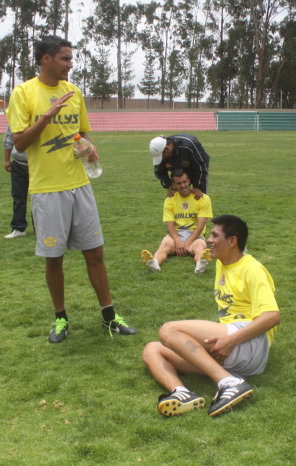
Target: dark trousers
{"points": [[19, 192]]}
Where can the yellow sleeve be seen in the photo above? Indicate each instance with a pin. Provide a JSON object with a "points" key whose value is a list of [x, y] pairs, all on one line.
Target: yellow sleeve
{"points": [[18, 114], [205, 209], [261, 290], [168, 214]]}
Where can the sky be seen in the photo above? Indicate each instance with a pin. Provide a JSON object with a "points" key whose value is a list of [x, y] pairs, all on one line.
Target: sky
{"points": [[83, 10]]}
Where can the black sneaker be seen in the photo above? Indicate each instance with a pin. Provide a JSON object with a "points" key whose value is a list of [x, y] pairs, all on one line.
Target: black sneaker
{"points": [[228, 397], [179, 402], [59, 331], [118, 325]]}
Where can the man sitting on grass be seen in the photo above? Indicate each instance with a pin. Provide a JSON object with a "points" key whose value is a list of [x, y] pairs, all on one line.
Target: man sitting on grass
{"points": [[228, 351], [186, 220]]}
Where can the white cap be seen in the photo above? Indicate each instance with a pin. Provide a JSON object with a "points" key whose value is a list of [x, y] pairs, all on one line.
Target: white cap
{"points": [[156, 147]]}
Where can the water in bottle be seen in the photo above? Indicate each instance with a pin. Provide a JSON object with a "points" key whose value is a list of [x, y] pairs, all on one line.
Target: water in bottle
{"points": [[81, 150]]}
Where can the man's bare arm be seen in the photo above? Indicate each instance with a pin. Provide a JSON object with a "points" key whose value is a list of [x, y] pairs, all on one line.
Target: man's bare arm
{"points": [[222, 347]]}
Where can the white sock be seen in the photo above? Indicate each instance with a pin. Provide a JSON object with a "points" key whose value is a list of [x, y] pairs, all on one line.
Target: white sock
{"points": [[229, 382], [153, 264], [181, 388]]}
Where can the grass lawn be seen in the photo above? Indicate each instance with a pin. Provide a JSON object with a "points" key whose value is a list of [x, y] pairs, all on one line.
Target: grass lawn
{"points": [[90, 400]]}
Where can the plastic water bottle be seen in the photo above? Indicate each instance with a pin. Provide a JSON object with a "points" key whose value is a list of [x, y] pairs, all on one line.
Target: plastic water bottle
{"points": [[81, 151]]}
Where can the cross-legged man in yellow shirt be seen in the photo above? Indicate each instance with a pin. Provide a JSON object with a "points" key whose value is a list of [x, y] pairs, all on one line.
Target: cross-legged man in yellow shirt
{"points": [[229, 351]]}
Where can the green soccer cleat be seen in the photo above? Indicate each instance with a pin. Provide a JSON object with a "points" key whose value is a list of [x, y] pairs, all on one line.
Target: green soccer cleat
{"points": [[59, 331], [118, 325]]}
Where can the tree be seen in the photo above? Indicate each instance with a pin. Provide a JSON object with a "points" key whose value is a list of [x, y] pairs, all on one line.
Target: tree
{"points": [[175, 76], [196, 46], [100, 85], [114, 23], [283, 71], [263, 13], [149, 85], [128, 89], [160, 35], [82, 75]]}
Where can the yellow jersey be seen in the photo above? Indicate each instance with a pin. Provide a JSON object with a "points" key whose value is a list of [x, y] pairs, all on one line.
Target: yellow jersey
{"points": [[243, 291], [52, 165], [185, 211]]}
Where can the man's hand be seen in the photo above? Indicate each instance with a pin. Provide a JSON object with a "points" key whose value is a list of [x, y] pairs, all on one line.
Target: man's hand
{"points": [[93, 155], [58, 104], [180, 247], [170, 192], [7, 165], [197, 193], [187, 244], [220, 348]]}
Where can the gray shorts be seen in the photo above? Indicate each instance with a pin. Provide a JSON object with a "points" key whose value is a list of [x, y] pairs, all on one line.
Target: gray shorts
{"points": [[248, 358], [66, 219], [185, 234]]}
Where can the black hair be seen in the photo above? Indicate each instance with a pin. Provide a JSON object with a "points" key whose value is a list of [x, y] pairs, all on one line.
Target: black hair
{"points": [[50, 45], [178, 172], [233, 226]]}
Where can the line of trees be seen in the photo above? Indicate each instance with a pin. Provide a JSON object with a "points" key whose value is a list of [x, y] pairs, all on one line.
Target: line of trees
{"points": [[240, 53]]}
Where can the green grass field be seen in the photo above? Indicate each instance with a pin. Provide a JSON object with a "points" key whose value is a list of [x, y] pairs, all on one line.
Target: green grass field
{"points": [[90, 400]]}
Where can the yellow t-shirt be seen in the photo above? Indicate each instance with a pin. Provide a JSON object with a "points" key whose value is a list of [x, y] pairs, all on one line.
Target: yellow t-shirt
{"points": [[52, 165], [243, 291], [184, 211]]}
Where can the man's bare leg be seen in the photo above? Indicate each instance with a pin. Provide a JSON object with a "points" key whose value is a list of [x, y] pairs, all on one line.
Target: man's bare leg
{"points": [[98, 277], [197, 248], [97, 273], [183, 350], [55, 281], [166, 248]]}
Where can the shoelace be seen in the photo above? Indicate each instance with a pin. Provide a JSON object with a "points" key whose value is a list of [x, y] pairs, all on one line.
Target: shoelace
{"points": [[60, 325], [229, 392], [117, 320], [182, 395]]}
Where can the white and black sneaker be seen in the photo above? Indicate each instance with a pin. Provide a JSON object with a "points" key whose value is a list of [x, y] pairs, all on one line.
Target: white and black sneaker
{"points": [[227, 397], [179, 402], [118, 325]]}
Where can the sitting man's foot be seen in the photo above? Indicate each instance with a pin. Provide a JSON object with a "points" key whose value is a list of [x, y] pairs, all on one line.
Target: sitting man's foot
{"points": [[118, 325], [203, 262], [15, 234], [228, 397], [179, 402], [149, 261], [59, 331]]}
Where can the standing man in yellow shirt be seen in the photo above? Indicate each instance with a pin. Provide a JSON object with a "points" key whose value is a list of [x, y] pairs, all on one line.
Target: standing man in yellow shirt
{"points": [[185, 218], [44, 114], [228, 351]]}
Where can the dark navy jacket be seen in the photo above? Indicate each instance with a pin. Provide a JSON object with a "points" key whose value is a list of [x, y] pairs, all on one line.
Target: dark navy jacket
{"points": [[191, 157]]}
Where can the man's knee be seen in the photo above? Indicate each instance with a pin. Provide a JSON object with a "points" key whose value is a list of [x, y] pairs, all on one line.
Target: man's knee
{"points": [[167, 245], [150, 350], [166, 332], [94, 255]]}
